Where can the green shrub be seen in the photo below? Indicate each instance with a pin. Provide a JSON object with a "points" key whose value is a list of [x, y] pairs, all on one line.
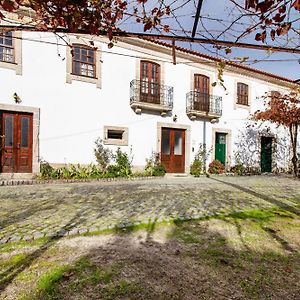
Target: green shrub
{"points": [[216, 167], [198, 165], [159, 170], [46, 171], [238, 169], [123, 161], [70, 172], [196, 168], [122, 166], [153, 166], [253, 171], [113, 171], [103, 155]]}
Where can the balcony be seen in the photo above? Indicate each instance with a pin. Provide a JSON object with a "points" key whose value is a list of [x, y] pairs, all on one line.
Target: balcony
{"points": [[200, 105], [150, 97]]}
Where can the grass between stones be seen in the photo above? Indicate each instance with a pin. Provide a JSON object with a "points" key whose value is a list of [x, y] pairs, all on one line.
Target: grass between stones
{"points": [[253, 254]]}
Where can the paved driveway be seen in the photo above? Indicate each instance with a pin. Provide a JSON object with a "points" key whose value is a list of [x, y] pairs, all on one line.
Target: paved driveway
{"points": [[29, 212]]}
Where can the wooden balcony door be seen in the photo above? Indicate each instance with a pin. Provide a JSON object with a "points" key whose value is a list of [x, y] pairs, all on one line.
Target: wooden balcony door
{"points": [[16, 146], [150, 82], [201, 86], [173, 150]]}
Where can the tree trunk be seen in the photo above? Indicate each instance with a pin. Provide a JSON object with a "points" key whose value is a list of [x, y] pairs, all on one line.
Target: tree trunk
{"points": [[293, 134]]}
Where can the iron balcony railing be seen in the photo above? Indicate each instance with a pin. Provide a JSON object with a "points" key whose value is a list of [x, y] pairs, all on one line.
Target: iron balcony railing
{"points": [[152, 93], [201, 102]]}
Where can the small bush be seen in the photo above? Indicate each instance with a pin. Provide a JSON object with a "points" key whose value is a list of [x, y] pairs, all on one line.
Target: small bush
{"points": [[46, 171], [122, 168], [113, 171], [159, 170], [196, 168], [238, 169], [103, 155], [216, 167], [198, 165], [253, 171], [153, 166]]}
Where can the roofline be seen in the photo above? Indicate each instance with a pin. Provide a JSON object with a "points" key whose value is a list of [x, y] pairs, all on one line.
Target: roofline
{"points": [[227, 62]]}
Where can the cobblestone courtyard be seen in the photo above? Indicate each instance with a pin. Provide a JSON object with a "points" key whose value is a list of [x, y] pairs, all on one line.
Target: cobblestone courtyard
{"points": [[30, 212]]}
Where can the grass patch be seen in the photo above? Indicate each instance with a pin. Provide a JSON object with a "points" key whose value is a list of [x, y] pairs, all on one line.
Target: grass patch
{"points": [[14, 260], [47, 283], [262, 215], [254, 214], [122, 288], [12, 246], [81, 276]]}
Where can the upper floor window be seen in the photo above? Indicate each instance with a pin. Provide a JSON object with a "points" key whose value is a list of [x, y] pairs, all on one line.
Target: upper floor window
{"points": [[84, 61], [242, 94], [6, 47], [201, 83], [150, 81], [201, 97]]}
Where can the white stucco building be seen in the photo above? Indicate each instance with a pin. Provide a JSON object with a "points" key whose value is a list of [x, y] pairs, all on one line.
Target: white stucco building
{"points": [[132, 96]]}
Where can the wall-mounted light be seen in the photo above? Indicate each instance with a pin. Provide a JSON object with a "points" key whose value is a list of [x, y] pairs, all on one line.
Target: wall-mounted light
{"points": [[17, 98], [175, 118]]}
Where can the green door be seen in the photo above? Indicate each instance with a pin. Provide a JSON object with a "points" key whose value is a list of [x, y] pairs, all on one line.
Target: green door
{"points": [[220, 147], [266, 154]]}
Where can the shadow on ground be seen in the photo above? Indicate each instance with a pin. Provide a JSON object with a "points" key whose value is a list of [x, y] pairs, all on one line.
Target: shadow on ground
{"points": [[212, 259], [264, 197]]}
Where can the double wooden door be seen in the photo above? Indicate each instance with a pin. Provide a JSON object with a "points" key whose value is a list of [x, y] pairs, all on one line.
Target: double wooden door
{"points": [[173, 150], [16, 142]]}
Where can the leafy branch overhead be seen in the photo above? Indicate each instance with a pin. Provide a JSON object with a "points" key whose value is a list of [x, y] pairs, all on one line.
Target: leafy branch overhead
{"points": [[275, 17], [258, 19], [92, 16]]}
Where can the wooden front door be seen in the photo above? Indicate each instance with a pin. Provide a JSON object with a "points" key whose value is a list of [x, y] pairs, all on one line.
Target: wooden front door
{"points": [[266, 154], [16, 146], [201, 86], [150, 82], [173, 150], [220, 147]]}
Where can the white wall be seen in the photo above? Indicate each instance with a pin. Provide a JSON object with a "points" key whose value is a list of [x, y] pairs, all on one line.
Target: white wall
{"points": [[73, 115]]}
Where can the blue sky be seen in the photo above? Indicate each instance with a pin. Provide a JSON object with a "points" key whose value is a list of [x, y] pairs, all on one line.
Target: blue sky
{"points": [[283, 64]]}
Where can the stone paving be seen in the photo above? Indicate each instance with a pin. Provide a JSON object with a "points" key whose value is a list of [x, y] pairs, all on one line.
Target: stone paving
{"points": [[31, 212]]}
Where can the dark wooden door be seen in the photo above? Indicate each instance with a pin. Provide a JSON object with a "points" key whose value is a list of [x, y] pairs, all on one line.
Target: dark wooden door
{"points": [[150, 82], [173, 150], [16, 150], [266, 154], [201, 86], [220, 147]]}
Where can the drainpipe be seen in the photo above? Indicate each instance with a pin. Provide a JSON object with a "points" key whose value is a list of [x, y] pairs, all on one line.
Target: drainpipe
{"points": [[204, 146]]}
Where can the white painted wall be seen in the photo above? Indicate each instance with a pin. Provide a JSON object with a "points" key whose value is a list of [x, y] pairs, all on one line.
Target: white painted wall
{"points": [[73, 115]]}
